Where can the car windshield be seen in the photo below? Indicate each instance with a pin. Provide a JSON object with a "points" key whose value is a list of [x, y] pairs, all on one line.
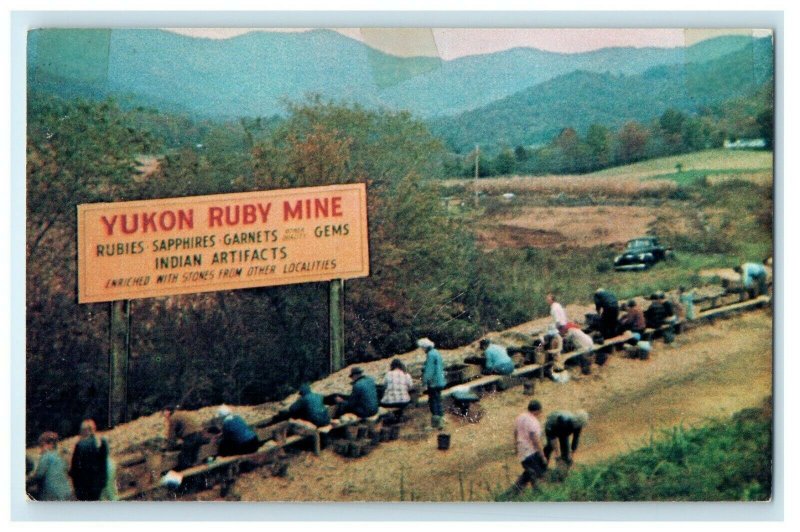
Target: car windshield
{"points": [[640, 243]]}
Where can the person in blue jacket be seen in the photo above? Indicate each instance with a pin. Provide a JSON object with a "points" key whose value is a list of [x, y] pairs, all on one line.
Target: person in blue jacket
{"points": [[754, 278], [497, 359], [433, 380], [310, 407], [363, 400], [237, 436], [50, 475]]}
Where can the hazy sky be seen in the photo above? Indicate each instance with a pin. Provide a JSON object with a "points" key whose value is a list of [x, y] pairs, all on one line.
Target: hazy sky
{"points": [[449, 43]]}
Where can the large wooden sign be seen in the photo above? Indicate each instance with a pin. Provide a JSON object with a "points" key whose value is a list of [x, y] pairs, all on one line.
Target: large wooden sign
{"points": [[139, 249]]}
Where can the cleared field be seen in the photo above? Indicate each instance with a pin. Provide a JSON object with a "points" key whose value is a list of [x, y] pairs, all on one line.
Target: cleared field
{"points": [[573, 226], [702, 160], [653, 176]]}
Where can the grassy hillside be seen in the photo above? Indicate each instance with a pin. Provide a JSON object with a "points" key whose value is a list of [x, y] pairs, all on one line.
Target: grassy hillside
{"points": [[700, 160], [727, 460]]}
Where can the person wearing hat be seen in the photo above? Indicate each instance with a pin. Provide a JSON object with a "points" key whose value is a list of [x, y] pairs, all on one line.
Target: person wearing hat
{"points": [[310, 407], [363, 400], [527, 436], [433, 379], [497, 360], [562, 425], [607, 307], [237, 436]]}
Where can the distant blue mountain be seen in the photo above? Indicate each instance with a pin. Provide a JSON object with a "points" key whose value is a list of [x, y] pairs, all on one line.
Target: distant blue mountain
{"points": [[256, 73], [581, 98]]}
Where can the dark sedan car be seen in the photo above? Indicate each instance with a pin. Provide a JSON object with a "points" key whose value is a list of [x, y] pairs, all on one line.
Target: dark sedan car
{"points": [[641, 253]]}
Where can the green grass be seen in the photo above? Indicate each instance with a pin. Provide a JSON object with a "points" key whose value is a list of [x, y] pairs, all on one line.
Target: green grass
{"points": [[688, 177], [727, 460], [718, 160]]}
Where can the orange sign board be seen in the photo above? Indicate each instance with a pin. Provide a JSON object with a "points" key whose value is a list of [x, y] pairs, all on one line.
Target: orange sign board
{"points": [[162, 247]]}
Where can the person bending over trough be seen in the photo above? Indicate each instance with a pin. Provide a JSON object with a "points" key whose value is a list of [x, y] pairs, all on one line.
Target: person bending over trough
{"points": [[237, 436], [562, 425], [497, 359]]}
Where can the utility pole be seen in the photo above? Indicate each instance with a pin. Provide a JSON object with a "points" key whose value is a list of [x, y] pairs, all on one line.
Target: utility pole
{"points": [[477, 158]]}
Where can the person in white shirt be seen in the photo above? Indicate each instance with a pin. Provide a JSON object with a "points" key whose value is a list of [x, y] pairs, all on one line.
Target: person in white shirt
{"points": [[556, 311]]}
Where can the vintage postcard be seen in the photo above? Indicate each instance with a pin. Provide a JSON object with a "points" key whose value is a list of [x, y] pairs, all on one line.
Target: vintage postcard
{"points": [[407, 264]]}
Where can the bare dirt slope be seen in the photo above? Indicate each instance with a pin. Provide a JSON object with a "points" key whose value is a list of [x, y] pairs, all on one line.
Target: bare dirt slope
{"points": [[708, 372], [573, 226]]}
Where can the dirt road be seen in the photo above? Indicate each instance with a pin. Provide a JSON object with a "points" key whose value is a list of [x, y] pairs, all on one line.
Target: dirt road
{"points": [[711, 371]]}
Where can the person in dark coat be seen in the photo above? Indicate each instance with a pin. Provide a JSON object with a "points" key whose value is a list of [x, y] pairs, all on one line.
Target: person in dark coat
{"points": [[363, 400], [561, 425], [310, 407], [656, 313], [89, 469], [607, 307], [237, 436]]}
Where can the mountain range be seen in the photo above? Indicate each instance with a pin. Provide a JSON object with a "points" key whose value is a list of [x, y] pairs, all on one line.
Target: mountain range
{"points": [[255, 73], [581, 98]]}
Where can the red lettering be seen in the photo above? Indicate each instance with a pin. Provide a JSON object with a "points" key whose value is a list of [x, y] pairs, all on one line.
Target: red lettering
{"points": [[109, 224], [186, 219], [167, 220], [321, 207], [264, 212], [214, 216], [228, 218], [128, 230], [289, 212], [249, 214], [148, 220], [336, 206]]}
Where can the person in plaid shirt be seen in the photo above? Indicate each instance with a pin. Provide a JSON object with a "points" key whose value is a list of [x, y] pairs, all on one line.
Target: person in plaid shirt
{"points": [[397, 384]]}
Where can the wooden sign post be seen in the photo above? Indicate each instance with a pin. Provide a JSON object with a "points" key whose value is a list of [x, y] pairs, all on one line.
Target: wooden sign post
{"points": [[336, 321], [119, 349]]}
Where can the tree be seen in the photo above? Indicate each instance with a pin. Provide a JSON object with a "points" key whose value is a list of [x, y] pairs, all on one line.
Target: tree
{"points": [[598, 139], [672, 125], [766, 126], [632, 142]]}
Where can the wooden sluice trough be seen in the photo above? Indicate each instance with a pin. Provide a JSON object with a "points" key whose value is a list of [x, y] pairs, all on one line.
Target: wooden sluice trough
{"points": [[140, 472]]}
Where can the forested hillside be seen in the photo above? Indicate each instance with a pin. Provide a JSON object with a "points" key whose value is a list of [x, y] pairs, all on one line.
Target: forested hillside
{"points": [[579, 99]]}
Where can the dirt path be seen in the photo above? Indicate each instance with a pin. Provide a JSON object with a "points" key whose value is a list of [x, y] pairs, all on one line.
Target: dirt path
{"points": [[711, 371]]}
